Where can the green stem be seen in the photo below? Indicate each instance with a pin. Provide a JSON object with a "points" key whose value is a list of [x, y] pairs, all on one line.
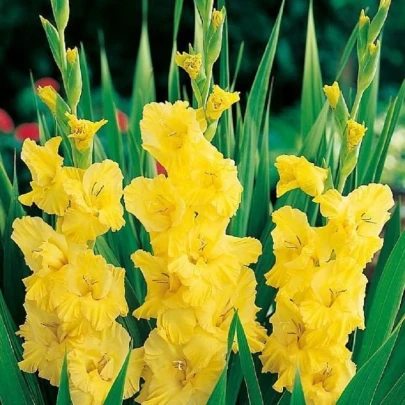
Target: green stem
{"points": [[341, 184], [356, 105]]}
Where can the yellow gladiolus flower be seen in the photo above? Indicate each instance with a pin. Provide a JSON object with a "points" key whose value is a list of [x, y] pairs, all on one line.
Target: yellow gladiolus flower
{"points": [[332, 93], [297, 172], [44, 344], [219, 101], [182, 374], [162, 286], [47, 253], [95, 364], [190, 63], [95, 201], [217, 18], [155, 203], [336, 297], [357, 220], [83, 131], [171, 133], [325, 386], [48, 96], [213, 187], [354, 133], [44, 249], [48, 176], [94, 293]]}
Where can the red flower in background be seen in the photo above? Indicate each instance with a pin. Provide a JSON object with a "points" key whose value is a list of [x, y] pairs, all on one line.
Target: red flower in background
{"points": [[6, 123], [29, 130], [47, 81], [160, 169], [122, 119]]}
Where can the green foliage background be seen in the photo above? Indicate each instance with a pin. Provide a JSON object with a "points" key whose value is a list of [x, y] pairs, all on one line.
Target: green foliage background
{"points": [[22, 48]]}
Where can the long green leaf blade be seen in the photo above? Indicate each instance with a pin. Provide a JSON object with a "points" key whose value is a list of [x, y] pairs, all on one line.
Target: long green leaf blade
{"points": [[248, 368], [115, 149], [251, 128], [362, 387], [297, 395], [13, 389], [312, 97], [218, 395], [116, 393], [64, 393], [384, 306]]}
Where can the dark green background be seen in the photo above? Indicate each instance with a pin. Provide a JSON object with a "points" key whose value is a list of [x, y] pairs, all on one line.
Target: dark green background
{"points": [[23, 45]]}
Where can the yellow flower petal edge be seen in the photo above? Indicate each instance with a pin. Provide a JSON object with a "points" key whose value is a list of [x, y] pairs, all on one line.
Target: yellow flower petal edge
{"points": [[297, 172]]}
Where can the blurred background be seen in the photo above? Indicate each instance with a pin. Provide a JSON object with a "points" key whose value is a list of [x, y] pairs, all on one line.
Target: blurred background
{"points": [[23, 49]]}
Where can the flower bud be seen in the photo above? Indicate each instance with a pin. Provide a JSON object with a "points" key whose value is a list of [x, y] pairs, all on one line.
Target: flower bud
{"points": [[190, 63], [378, 21], [354, 134], [60, 10], [332, 93], [217, 18], [368, 66], [73, 77], [48, 96]]}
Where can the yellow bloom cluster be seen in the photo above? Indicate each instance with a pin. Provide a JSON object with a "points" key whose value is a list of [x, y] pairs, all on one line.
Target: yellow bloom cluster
{"points": [[73, 296], [77, 196], [197, 275], [318, 272]]}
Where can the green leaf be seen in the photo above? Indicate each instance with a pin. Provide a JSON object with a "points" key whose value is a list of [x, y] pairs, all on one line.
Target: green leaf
{"points": [[64, 393], [396, 396], [14, 267], [251, 128], [248, 368], [387, 136], [362, 387], [285, 398], [116, 393], [347, 51], [261, 203], [391, 236], [174, 77], [312, 143], [6, 188], [393, 372], [114, 138], [31, 380], [13, 389], [218, 395], [235, 379], [385, 306], [54, 42], [297, 395], [85, 104], [312, 96], [367, 114], [238, 65]]}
